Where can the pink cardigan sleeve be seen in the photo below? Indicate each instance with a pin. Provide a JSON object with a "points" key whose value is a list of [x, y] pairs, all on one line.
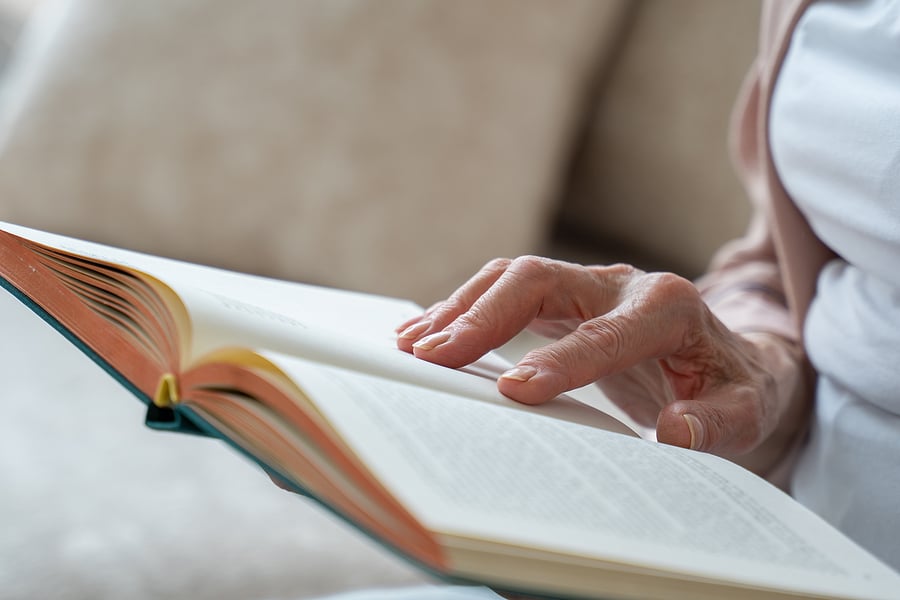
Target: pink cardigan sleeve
{"points": [[765, 281], [745, 285]]}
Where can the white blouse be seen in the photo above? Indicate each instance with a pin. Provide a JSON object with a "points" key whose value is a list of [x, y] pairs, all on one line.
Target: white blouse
{"points": [[835, 135]]}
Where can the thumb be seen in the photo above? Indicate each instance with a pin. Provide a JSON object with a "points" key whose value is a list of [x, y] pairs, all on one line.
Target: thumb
{"points": [[731, 423]]}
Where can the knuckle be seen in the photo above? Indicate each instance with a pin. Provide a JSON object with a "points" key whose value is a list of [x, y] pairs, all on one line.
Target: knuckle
{"points": [[677, 300], [455, 304], [478, 318], [620, 271], [563, 359], [601, 337], [671, 287], [533, 267], [496, 265], [465, 296]]}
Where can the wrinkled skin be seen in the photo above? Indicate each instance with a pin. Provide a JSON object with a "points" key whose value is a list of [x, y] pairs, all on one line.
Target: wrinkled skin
{"points": [[647, 339]]}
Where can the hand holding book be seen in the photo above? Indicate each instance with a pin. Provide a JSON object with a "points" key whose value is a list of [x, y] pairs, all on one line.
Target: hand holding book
{"points": [[555, 499], [649, 340]]}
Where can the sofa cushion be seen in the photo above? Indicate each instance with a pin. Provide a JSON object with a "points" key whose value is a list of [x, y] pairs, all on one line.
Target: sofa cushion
{"points": [[653, 182], [390, 146]]}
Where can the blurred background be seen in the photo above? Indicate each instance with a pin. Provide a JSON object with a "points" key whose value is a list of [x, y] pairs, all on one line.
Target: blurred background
{"points": [[389, 146]]}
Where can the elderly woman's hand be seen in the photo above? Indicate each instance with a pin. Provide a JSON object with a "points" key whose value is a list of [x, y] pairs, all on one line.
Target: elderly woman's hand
{"points": [[648, 339]]}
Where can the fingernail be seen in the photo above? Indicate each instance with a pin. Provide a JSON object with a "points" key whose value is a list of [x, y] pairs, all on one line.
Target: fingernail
{"points": [[696, 429], [520, 373], [415, 330], [432, 341]]}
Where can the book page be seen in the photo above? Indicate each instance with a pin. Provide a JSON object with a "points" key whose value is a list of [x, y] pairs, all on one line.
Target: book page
{"points": [[476, 472], [229, 308], [343, 328], [369, 315]]}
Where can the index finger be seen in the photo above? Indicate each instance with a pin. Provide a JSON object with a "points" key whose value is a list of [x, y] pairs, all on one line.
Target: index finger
{"points": [[529, 287]]}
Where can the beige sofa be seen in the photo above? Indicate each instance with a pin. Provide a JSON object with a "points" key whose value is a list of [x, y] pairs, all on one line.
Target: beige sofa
{"points": [[391, 146]]}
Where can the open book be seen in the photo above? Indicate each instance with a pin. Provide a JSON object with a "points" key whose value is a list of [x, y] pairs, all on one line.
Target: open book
{"points": [[559, 500]]}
